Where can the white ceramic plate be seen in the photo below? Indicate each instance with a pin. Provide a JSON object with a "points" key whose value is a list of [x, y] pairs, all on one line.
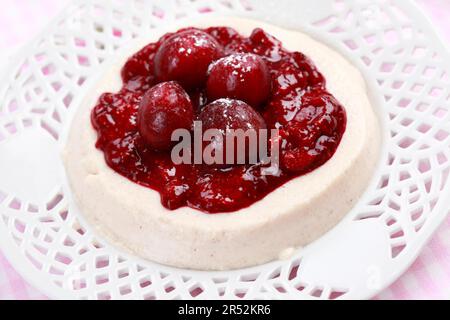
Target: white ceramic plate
{"points": [[49, 243]]}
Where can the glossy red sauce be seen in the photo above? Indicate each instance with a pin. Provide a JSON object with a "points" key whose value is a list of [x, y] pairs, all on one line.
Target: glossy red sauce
{"points": [[311, 123]]}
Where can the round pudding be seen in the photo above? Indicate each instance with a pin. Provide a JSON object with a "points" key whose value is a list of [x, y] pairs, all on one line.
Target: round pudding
{"points": [[289, 214]]}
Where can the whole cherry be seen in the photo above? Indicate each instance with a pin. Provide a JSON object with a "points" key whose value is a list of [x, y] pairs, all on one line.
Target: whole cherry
{"points": [[186, 56], [163, 109], [243, 76], [225, 115]]}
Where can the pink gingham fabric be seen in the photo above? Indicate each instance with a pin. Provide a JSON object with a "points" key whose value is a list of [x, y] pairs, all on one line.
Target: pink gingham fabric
{"points": [[428, 277]]}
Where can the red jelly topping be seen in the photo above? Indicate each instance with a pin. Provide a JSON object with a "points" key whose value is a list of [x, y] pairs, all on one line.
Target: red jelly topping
{"points": [[310, 120]]}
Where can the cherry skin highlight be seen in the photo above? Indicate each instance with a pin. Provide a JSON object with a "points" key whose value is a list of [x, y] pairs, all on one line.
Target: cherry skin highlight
{"points": [[163, 109], [243, 76], [185, 57]]}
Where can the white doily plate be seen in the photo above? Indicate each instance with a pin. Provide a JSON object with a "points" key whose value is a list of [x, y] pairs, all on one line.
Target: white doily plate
{"points": [[49, 243]]}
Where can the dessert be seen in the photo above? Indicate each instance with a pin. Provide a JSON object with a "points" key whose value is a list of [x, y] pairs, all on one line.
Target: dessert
{"points": [[248, 74]]}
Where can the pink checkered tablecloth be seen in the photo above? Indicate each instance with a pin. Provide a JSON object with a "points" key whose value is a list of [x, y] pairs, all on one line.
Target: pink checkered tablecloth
{"points": [[429, 276]]}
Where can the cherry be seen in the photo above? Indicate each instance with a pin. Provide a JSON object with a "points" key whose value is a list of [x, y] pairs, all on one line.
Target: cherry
{"points": [[228, 114], [243, 76], [186, 56], [163, 109]]}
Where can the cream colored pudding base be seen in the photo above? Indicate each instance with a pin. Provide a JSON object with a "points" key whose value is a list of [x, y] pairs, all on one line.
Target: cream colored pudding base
{"points": [[291, 216]]}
